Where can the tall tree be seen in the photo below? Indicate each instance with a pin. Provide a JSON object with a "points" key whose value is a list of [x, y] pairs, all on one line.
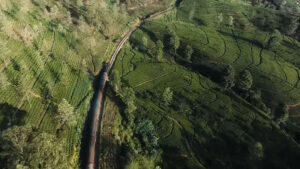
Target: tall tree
{"points": [[167, 96], [65, 115], [230, 20], [115, 80], [274, 40], [188, 52], [228, 77], [128, 96], [282, 114], [245, 81], [172, 40], [160, 50]]}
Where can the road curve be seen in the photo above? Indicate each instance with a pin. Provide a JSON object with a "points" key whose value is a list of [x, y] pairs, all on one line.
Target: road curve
{"points": [[96, 109]]}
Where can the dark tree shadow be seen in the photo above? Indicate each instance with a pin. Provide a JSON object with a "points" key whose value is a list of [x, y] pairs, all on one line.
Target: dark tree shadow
{"points": [[10, 116], [173, 158]]}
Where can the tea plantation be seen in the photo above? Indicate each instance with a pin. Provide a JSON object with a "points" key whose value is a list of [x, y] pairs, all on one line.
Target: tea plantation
{"points": [[200, 119]]}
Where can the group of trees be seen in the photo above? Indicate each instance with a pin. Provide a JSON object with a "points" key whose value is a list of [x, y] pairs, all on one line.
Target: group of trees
{"points": [[287, 21], [228, 77], [243, 85], [145, 130], [25, 147], [138, 137], [128, 97]]}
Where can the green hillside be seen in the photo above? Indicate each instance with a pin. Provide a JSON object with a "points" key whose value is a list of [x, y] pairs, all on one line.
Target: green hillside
{"points": [[51, 52], [180, 69], [208, 84]]}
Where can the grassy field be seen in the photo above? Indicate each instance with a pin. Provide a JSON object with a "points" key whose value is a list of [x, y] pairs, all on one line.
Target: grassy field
{"points": [[205, 126], [51, 51]]}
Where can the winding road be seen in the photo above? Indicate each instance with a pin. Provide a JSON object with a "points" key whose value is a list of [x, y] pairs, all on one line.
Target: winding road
{"points": [[96, 111]]}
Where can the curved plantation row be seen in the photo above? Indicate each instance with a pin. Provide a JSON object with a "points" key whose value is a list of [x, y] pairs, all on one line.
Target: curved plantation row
{"points": [[204, 125]]}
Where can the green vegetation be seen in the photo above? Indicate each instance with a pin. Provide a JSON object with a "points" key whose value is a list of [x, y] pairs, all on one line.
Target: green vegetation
{"points": [[23, 147], [50, 53], [219, 97], [209, 84]]}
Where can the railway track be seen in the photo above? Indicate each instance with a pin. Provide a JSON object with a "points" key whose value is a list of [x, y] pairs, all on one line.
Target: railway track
{"points": [[96, 111]]}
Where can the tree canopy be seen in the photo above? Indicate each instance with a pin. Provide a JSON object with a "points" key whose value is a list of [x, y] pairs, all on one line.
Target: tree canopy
{"points": [[188, 52], [23, 147], [245, 81], [66, 114], [167, 96]]}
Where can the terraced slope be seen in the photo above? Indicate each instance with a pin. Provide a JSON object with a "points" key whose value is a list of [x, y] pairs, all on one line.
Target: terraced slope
{"points": [[50, 53], [206, 126]]}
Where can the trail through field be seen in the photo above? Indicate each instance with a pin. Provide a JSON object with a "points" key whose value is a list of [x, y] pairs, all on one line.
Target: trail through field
{"points": [[148, 81]]}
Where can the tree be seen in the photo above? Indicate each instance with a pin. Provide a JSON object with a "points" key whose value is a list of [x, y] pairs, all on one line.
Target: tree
{"points": [[230, 21], [291, 28], [274, 40], [160, 50], [256, 100], [257, 151], [128, 96], [47, 152], [167, 96], [245, 81], [65, 115], [22, 147], [115, 80], [14, 141], [172, 40], [282, 114], [228, 78], [146, 130], [188, 52], [144, 45], [220, 18]]}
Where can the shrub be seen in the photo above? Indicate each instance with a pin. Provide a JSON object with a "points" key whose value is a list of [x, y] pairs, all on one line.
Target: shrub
{"points": [[160, 50], [115, 80], [172, 41], [282, 114], [167, 96], [188, 52], [274, 40], [227, 79]]}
